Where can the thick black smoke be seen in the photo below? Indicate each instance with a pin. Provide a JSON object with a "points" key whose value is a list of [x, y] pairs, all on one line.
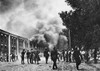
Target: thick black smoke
{"points": [[32, 17], [30, 4], [47, 38], [8, 5], [5, 5]]}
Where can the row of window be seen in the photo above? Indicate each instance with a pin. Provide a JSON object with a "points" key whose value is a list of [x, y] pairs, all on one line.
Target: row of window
{"points": [[13, 41]]}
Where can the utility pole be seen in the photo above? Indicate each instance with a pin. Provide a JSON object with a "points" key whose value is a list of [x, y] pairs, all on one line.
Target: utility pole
{"points": [[69, 38]]}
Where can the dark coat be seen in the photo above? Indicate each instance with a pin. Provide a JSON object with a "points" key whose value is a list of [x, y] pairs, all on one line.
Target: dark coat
{"points": [[54, 55], [77, 56], [32, 55], [36, 57], [28, 54], [46, 54], [22, 54]]}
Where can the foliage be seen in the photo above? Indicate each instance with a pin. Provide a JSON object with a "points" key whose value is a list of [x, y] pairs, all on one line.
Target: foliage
{"points": [[83, 22]]}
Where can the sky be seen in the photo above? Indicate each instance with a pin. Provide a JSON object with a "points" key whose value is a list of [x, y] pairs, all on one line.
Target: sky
{"points": [[29, 17]]}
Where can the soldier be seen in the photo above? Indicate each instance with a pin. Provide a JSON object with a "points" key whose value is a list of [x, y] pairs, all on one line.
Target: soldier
{"points": [[63, 53], [66, 56], [54, 57], [36, 57], [31, 56], [22, 56], [69, 54], [46, 55], [77, 57], [28, 56]]}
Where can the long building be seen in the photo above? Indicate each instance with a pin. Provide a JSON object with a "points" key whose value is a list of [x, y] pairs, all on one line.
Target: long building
{"points": [[10, 43]]}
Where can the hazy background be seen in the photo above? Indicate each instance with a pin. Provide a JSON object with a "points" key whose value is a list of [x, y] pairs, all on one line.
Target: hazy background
{"points": [[31, 17]]}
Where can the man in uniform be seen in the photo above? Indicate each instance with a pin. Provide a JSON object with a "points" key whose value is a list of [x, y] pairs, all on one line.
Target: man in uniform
{"points": [[77, 57], [46, 55], [54, 57], [22, 56]]}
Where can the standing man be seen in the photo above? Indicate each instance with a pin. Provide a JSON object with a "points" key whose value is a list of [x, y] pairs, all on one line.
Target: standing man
{"points": [[77, 57], [13, 57], [22, 56], [63, 53], [31, 56], [46, 55], [69, 54], [54, 57], [66, 56], [36, 57], [28, 56]]}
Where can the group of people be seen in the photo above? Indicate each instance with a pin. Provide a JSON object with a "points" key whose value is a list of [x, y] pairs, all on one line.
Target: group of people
{"points": [[73, 56], [66, 55], [56, 56], [32, 56]]}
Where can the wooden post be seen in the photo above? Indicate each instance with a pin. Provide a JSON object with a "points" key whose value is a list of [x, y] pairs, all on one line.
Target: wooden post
{"points": [[69, 40], [24, 44], [28, 45], [17, 47]]}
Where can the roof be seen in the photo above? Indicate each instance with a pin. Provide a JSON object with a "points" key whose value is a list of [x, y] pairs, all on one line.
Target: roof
{"points": [[17, 36]]}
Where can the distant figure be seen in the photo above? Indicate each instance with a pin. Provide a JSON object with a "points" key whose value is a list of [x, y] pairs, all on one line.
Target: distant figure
{"points": [[31, 56], [46, 55], [54, 57], [13, 57], [7, 58], [63, 53], [28, 56], [72, 57], [58, 57], [69, 54], [22, 56], [1, 56], [86, 57], [36, 57], [77, 56], [66, 56]]}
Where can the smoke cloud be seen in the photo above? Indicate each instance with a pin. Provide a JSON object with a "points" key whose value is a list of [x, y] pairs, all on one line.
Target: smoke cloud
{"points": [[29, 17], [8, 5]]}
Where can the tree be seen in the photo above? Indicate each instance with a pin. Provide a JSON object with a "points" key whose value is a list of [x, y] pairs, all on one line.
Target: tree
{"points": [[82, 22]]}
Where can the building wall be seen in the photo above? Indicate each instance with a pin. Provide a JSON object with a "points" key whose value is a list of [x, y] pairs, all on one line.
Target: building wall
{"points": [[4, 45], [10, 43], [13, 44]]}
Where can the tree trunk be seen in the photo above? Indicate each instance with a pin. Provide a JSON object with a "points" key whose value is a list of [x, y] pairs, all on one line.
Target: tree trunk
{"points": [[95, 55]]}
